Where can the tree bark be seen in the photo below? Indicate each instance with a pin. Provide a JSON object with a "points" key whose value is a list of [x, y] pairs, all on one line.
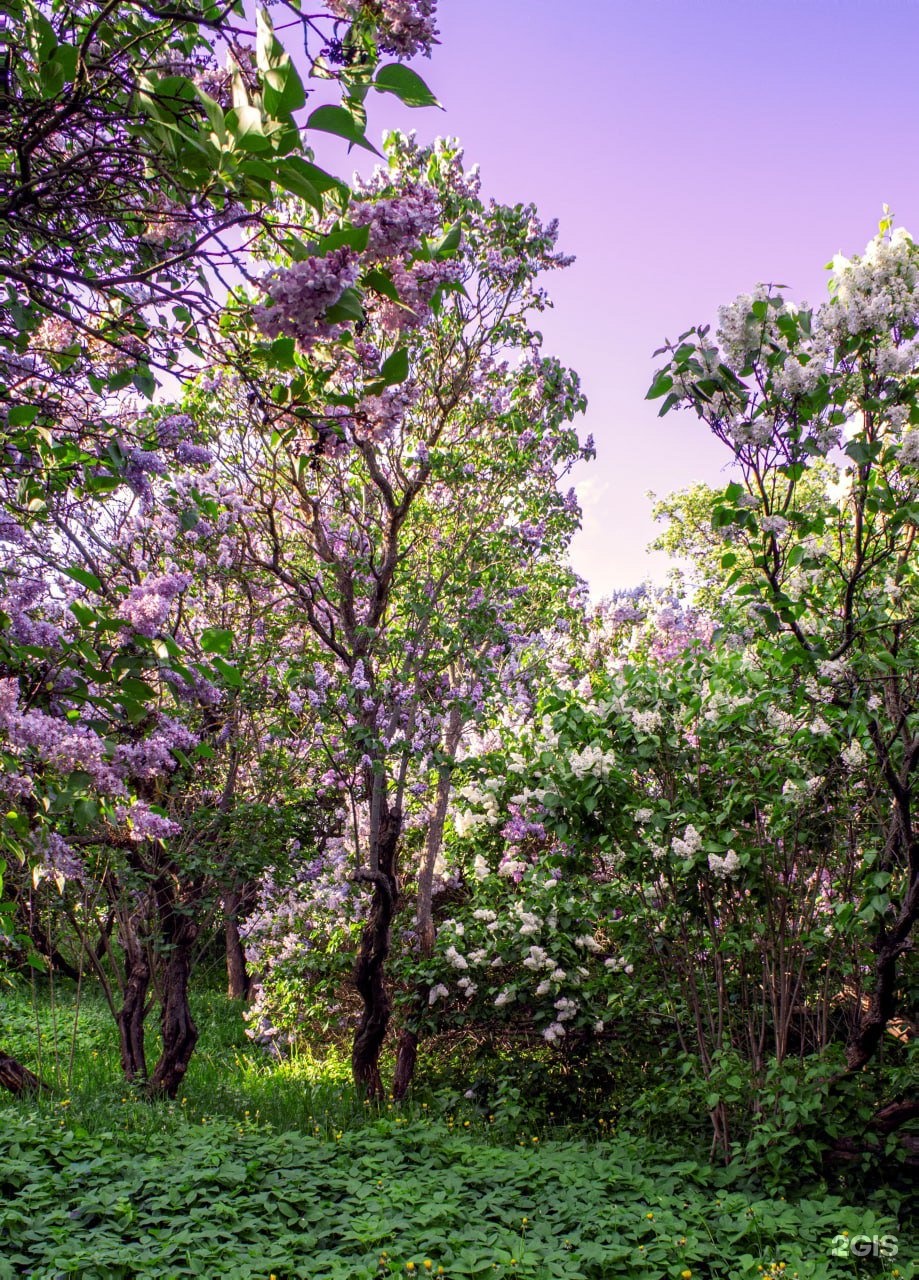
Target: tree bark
{"points": [[236, 903], [369, 969], [892, 943], [17, 1078], [178, 1031], [130, 1017], [407, 1050], [406, 1058]]}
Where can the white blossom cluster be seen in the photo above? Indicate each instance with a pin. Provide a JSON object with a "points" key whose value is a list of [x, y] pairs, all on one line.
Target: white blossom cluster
{"points": [[465, 821], [689, 845], [724, 867], [593, 761], [647, 721], [879, 290]]}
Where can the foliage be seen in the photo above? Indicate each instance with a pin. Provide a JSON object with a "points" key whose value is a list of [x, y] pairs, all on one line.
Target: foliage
{"points": [[391, 1195]]}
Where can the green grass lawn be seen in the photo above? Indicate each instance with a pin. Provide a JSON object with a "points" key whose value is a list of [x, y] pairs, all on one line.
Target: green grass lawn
{"points": [[264, 1169]]}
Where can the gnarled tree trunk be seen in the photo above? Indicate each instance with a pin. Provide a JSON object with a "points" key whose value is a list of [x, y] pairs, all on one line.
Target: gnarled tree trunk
{"points": [[369, 969], [179, 1034], [237, 903], [130, 1016], [17, 1078], [892, 942], [407, 1051]]}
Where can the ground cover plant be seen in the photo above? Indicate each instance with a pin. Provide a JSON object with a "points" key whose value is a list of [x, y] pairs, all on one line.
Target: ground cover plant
{"points": [[281, 1169]]}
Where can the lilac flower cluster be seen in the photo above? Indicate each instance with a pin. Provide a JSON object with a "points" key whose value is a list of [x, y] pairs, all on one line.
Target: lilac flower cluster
{"points": [[144, 824], [193, 455], [416, 285], [21, 598], [172, 429], [65, 746], [153, 756], [404, 27], [147, 605], [398, 224], [300, 295], [58, 859]]}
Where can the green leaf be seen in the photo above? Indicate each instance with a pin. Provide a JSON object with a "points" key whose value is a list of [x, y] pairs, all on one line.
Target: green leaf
{"points": [[660, 386], [340, 122], [381, 282], [348, 307], [22, 415], [450, 242], [229, 673], [406, 84], [144, 382], [395, 368], [293, 175], [283, 91], [216, 640], [244, 124], [84, 577]]}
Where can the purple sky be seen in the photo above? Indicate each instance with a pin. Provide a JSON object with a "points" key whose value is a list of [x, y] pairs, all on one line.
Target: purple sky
{"points": [[689, 151]]}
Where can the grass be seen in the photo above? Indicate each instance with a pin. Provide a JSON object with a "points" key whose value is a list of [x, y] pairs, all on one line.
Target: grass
{"points": [[263, 1168]]}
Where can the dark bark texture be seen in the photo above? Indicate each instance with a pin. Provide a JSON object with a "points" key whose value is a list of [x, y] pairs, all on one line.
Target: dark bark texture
{"points": [[177, 1027], [369, 969], [237, 903], [17, 1078]]}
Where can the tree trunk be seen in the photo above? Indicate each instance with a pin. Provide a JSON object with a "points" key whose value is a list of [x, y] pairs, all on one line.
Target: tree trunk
{"points": [[406, 1057], [892, 943], [130, 1016], [236, 904], [17, 1078], [177, 1027], [369, 969], [407, 1051]]}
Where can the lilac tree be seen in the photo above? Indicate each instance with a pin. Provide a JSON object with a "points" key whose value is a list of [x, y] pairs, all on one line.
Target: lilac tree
{"points": [[399, 496], [788, 391], [137, 171]]}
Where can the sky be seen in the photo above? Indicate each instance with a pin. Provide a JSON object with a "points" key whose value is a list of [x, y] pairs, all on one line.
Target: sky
{"points": [[689, 152]]}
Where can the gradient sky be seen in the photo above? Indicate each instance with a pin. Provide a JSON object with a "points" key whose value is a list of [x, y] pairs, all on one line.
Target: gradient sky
{"points": [[688, 151]]}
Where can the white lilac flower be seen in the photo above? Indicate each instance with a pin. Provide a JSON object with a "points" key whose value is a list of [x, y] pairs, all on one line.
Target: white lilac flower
{"points": [[511, 867], [565, 1009], [437, 992], [454, 958], [774, 524], [724, 867], [647, 721], [535, 959], [909, 449], [592, 761], [689, 844]]}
